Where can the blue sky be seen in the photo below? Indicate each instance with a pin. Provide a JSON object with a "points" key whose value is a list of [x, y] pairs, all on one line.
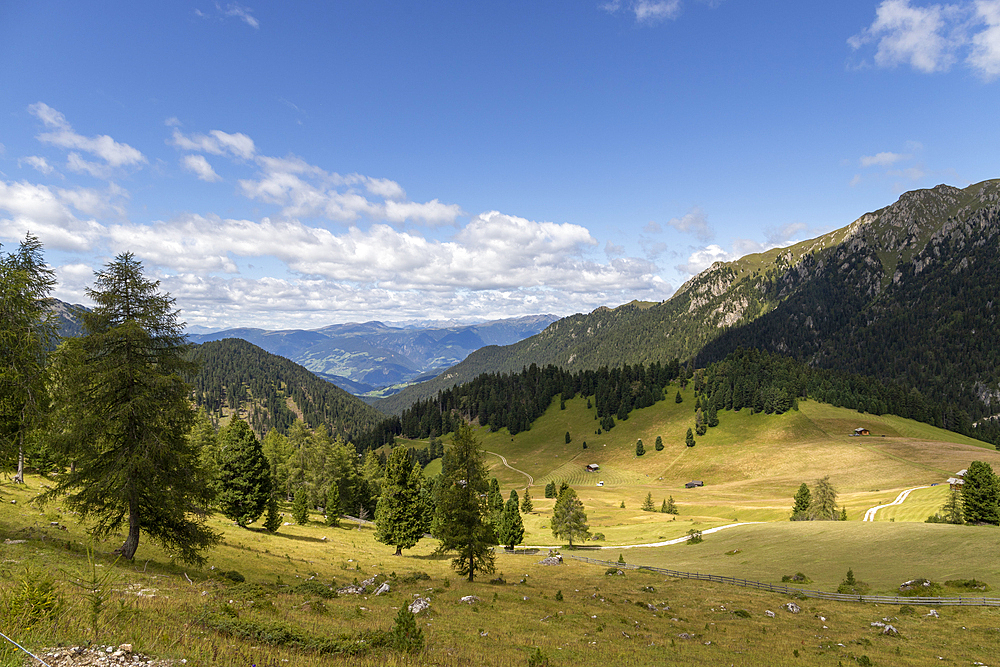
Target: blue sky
{"points": [[296, 164]]}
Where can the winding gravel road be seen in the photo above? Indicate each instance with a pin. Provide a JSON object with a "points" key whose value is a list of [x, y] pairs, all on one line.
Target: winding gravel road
{"points": [[870, 514]]}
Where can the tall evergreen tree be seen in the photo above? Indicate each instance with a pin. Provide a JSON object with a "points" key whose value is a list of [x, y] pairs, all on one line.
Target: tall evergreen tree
{"points": [[511, 531], [124, 416], [272, 520], [550, 489], [659, 443], [671, 506], [647, 504], [300, 506], [332, 507], [569, 518], [27, 330], [526, 504], [800, 510], [244, 475], [981, 494], [513, 496], [952, 508], [402, 515], [689, 439], [639, 449], [463, 514]]}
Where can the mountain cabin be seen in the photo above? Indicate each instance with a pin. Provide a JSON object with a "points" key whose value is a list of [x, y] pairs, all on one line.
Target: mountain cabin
{"points": [[862, 431], [593, 467]]}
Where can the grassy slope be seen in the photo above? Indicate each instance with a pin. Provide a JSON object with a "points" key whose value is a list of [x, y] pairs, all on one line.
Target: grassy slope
{"points": [[597, 623]]}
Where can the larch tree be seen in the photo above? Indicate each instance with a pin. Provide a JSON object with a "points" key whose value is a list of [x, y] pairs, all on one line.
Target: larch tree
{"points": [[463, 516], [244, 475], [402, 514], [823, 503], [27, 330], [123, 416], [569, 518]]}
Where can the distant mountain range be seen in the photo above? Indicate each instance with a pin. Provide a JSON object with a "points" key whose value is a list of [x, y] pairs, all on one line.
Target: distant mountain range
{"points": [[909, 293], [373, 358]]}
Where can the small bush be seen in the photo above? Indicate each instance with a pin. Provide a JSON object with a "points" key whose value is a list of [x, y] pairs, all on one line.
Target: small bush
{"points": [[278, 633], [797, 578], [968, 584], [597, 537], [233, 576], [246, 591], [32, 599], [405, 635], [741, 613], [559, 595], [316, 588], [613, 572], [920, 587], [907, 610], [538, 659], [414, 577], [695, 536]]}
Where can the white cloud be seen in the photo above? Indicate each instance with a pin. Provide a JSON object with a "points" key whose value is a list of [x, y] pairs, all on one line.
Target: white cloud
{"points": [[198, 165], [244, 14], [856, 180], [703, 258], [783, 235], [306, 191], [47, 214], [113, 153], [646, 11], [39, 163], [693, 222], [215, 142], [984, 56], [883, 159], [931, 38]]}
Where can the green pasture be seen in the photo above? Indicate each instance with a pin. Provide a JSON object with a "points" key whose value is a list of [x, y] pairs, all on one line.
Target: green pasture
{"points": [[884, 554]]}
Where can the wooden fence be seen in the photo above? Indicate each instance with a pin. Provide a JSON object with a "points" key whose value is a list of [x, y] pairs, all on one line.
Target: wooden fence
{"points": [[788, 590]]}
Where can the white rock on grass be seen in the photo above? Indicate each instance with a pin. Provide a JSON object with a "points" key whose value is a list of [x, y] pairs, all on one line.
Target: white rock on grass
{"points": [[419, 605], [470, 599], [791, 607]]}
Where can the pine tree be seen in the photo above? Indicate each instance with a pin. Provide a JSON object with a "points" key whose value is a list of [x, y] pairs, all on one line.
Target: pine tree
{"points": [[568, 439], [244, 475], [569, 519], [27, 329], [495, 501], [800, 511], [300, 506], [699, 423], [981, 494], [712, 414], [463, 523], [678, 398], [663, 508], [647, 504], [511, 530], [513, 496], [639, 449], [402, 516], [526, 504], [659, 444], [272, 520], [952, 508], [671, 506], [332, 506], [689, 439], [550, 489], [124, 414]]}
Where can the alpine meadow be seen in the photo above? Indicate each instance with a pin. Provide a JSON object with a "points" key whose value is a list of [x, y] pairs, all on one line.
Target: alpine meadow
{"points": [[632, 332]]}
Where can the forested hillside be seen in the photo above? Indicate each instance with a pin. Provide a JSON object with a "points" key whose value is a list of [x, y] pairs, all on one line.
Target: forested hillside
{"points": [[904, 294], [271, 391]]}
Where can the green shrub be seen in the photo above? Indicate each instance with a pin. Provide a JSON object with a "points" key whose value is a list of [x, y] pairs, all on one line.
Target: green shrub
{"points": [[414, 577], [968, 584], [741, 613], [405, 635], [32, 599], [278, 633], [234, 576], [920, 587], [316, 588], [538, 659]]}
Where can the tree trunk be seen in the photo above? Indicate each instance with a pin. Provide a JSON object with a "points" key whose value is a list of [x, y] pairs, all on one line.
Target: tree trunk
{"points": [[399, 551], [19, 477], [472, 564], [132, 541]]}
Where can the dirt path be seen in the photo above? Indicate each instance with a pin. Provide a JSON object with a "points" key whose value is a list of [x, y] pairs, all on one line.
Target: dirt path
{"points": [[677, 540], [870, 514], [531, 480]]}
